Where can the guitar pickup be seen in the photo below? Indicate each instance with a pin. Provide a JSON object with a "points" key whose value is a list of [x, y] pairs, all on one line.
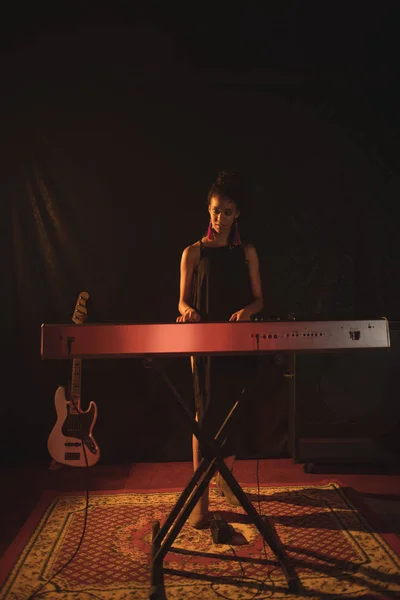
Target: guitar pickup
{"points": [[72, 456]]}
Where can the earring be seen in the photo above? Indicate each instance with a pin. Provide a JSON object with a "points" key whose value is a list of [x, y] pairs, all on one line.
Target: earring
{"points": [[236, 240], [210, 233]]}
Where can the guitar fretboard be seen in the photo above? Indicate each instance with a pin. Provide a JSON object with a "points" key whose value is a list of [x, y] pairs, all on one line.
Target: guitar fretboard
{"points": [[76, 385]]}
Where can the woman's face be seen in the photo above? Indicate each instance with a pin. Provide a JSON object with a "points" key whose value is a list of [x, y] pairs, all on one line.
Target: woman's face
{"points": [[223, 211]]}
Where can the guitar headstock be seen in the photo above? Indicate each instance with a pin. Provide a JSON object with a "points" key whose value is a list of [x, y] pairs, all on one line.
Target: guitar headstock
{"points": [[80, 312]]}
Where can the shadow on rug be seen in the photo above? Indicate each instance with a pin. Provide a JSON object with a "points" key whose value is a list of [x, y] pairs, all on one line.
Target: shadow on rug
{"points": [[334, 551]]}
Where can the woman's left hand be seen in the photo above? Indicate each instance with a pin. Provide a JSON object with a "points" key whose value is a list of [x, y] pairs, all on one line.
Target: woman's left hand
{"points": [[240, 315]]}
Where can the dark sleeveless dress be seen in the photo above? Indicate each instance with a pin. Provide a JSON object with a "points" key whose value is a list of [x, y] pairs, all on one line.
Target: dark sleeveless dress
{"points": [[221, 286]]}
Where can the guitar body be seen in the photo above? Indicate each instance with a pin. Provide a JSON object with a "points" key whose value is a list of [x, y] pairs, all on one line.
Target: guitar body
{"points": [[71, 441]]}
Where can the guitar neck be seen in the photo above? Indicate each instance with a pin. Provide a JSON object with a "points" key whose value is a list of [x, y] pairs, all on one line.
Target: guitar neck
{"points": [[75, 390]]}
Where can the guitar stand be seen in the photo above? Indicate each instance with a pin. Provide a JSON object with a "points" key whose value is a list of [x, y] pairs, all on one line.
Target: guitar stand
{"points": [[163, 537]]}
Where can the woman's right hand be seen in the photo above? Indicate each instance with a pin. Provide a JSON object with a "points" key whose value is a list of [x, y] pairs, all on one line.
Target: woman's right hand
{"points": [[190, 316]]}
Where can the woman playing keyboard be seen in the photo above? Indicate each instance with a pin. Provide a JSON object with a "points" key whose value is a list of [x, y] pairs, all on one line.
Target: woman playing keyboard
{"points": [[219, 281]]}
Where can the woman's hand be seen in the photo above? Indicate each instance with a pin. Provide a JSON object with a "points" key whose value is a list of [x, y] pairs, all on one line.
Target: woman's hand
{"points": [[190, 316], [240, 315]]}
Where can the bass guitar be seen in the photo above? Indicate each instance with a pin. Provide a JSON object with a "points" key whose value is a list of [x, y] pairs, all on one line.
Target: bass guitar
{"points": [[71, 440]]}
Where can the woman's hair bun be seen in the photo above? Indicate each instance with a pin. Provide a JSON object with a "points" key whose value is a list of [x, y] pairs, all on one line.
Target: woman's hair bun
{"points": [[224, 177], [227, 183]]}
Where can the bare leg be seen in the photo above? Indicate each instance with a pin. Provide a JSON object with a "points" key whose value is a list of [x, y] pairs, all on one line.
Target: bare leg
{"points": [[196, 451], [223, 488], [199, 515], [195, 441], [229, 461]]}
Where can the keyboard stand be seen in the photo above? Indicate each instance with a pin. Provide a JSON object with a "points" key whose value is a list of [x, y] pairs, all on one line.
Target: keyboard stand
{"points": [[164, 536]]}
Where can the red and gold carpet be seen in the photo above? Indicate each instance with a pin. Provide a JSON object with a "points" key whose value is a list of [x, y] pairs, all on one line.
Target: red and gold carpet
{"points": [[334, 550]]}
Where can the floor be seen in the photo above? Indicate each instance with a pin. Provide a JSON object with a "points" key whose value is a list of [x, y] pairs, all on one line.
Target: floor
{"points": [[23, 487]]}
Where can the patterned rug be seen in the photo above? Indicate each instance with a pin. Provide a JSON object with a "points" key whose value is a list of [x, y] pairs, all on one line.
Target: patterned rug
{"points": [[335, 552]]}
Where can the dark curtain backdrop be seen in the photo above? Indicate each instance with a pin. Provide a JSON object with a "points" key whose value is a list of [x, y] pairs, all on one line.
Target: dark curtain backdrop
{"points": [[110, 140]]}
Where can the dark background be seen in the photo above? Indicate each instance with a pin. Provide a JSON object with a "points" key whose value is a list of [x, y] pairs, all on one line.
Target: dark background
{"points": [[114, 125]]}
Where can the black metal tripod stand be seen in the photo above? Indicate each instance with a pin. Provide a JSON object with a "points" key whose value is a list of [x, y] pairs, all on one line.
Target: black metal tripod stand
{"points": [[163, 537]]}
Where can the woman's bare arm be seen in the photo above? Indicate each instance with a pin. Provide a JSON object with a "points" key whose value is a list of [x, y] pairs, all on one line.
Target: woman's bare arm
{"points": [[256, 288], [189, 260]]}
